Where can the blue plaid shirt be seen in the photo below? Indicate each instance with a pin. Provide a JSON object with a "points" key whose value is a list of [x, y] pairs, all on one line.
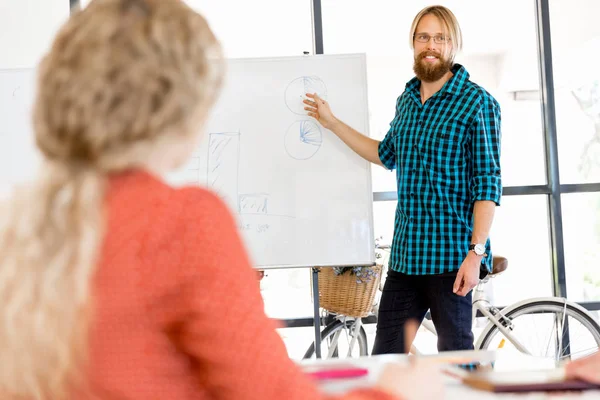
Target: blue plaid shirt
{"points": [[446, 153]]}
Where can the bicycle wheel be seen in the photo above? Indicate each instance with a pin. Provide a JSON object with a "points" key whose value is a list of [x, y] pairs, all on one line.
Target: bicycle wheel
{"points": [[546, 328], [336, 340]]}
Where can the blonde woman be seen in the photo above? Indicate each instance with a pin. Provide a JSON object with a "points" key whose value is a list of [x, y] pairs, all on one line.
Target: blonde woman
{"points": [[113, 284]]}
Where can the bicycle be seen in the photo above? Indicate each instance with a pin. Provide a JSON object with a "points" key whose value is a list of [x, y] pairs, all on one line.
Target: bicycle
{"points": [[511, 326]]}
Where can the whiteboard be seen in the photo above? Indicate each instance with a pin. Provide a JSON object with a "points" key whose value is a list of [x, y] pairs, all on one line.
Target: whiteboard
{"points": [[301, 197]]}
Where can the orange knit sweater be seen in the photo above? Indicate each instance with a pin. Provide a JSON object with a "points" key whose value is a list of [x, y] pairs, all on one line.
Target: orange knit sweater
{"points": [[178, 311]]}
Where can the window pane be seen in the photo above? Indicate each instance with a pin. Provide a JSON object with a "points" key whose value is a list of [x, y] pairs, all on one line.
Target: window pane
{"points": [[294, 286], [577, 88], [520, 233], [581, 227], [503, 61], [384, 213], [248, 29]]}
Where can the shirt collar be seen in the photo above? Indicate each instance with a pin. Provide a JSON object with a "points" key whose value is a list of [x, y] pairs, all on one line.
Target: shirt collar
{"points": [[453, 86]]}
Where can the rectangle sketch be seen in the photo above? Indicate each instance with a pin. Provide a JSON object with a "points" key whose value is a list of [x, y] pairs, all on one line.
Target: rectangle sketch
{"points": [[253, 203]]}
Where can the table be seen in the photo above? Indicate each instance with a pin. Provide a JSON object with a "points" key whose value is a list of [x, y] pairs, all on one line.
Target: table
{"points": [[454, 388]]}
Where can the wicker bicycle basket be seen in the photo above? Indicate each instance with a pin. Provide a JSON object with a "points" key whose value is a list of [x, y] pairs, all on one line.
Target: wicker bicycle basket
{"points": [[342, 294]]}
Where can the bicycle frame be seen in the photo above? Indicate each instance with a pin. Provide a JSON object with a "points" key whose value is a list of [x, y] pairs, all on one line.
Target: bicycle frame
{"points": [[482, 305], [354, 328]]}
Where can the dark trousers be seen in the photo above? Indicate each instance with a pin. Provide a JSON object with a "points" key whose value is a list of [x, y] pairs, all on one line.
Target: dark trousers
{"points": [[408, 297]]}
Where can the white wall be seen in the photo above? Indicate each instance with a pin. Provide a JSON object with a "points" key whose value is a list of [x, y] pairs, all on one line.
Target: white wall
{"points": [[27, 28]]}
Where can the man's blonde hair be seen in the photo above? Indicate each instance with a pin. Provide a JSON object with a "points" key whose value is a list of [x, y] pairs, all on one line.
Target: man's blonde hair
{"points": [[449, 23], [122, 78]]}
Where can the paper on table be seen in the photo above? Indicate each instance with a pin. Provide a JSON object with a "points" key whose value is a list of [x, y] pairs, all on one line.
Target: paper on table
{"points": [[524, 381], [462, 357]]}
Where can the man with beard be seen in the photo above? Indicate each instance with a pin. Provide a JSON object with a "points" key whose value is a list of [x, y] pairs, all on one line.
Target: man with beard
{"points": [[444, 143]]}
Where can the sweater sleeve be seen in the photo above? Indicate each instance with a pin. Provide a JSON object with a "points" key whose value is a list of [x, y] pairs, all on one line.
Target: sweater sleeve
{"points": [[233, 346]]}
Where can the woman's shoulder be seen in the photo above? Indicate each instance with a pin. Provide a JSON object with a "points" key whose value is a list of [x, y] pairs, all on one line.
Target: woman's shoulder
{"points": [[144, 195], [200, 204], [142, 184], [198, 197]]}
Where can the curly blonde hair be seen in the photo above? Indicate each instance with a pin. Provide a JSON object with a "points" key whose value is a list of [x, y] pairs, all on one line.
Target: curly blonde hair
{"points": [[122, 79]]}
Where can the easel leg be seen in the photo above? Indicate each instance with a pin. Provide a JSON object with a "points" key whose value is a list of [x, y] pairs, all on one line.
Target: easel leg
{"points": [[317, 319]]}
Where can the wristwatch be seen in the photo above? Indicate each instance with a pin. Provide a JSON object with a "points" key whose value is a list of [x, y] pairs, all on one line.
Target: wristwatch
{"points": [[478, 249]]}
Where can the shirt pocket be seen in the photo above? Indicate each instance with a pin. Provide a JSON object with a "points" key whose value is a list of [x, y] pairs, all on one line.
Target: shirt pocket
{"points": [[400, 125], [443, 147]]}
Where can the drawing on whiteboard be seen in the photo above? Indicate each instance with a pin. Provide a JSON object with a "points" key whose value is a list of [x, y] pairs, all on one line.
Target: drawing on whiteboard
{"points": [[223, 174], [253, 203], [223, 166], [303, 140], [295, 92]]}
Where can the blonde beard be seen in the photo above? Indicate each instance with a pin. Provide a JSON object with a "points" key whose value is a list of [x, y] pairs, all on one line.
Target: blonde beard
{"points": [[431, 73]]}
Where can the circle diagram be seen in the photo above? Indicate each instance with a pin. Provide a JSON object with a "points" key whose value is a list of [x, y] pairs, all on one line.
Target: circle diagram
{"points": [[297, 89], [303, 140]]}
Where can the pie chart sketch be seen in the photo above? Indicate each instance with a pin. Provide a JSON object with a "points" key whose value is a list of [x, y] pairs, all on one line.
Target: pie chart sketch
{"points": [[296, 90], [303, 140]]}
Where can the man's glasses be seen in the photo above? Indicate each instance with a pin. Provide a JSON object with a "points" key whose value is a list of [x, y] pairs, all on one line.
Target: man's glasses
{"points": [[424, 38]]}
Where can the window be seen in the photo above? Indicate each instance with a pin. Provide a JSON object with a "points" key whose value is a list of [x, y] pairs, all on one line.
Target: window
{"points": [[575, 36], [384, 213], [581, 227], [503, 61], [520, 233], [527, 250]]}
